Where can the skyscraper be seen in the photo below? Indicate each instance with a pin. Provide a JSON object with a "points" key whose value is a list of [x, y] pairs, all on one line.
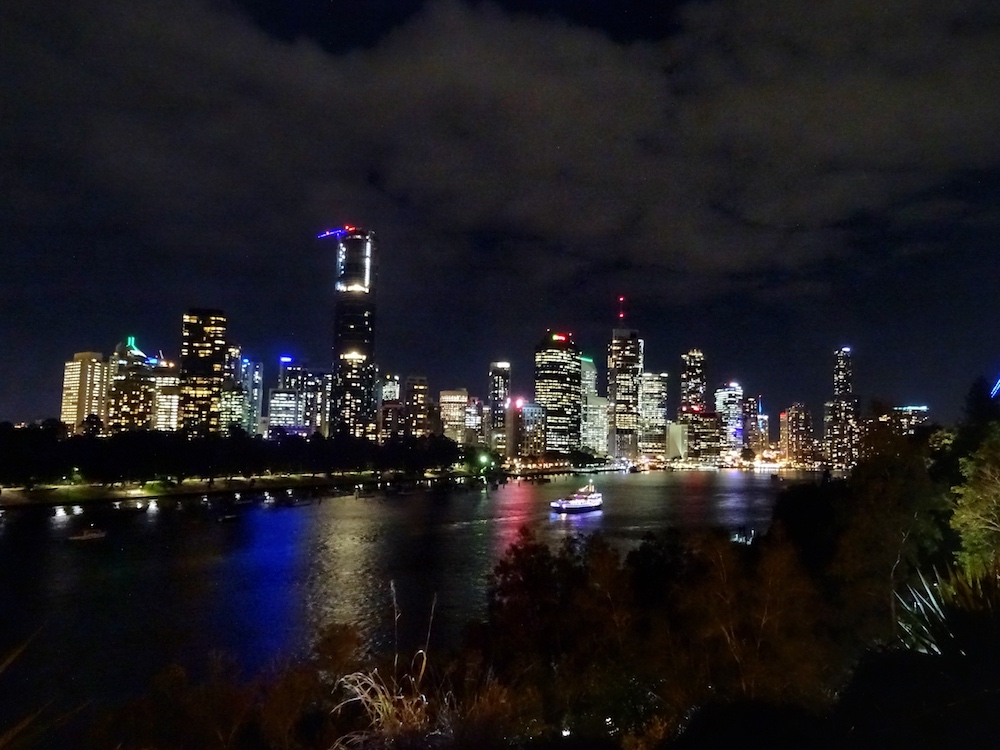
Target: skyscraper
{"points": [[453, 405], [204, 355], [167, 395], [653, 412], [557, 390], [796, 435], [841, 436], [300, 405], [729, 407], [132, 391], [85, 390], [251, 377], [693, 384], [417, 406], [525, 429], [355, 404], [756, 432], [703, 425], [625, 364], [499, 392], [594, 411]]}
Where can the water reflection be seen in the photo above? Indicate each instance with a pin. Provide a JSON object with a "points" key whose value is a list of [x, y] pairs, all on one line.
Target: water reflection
{"points": [[175, 583]]}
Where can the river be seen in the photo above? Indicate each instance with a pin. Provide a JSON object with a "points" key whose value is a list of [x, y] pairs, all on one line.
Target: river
{"points": [[173, 585]]}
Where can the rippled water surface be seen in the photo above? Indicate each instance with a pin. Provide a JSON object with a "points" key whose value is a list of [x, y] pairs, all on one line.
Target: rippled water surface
{"points": [[174, 585]]}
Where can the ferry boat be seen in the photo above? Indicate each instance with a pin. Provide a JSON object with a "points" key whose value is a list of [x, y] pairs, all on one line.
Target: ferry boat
{"points": [[584, 500]]}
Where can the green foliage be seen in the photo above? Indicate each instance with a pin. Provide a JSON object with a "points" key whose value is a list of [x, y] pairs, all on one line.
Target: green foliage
{"points": [[977, 507], [889, 523]]}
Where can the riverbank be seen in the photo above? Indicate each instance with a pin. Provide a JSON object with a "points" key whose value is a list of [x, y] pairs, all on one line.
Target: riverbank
{"points": [[80, 494]]}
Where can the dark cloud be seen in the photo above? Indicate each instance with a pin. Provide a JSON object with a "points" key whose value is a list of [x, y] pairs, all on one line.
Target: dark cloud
{"points": [[177, 154]]}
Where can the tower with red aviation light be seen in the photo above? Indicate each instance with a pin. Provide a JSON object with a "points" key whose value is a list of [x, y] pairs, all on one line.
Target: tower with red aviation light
{"points": [[625, 366]]}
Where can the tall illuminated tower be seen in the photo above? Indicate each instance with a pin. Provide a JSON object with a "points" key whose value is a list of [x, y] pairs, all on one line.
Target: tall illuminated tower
{"points": [[557, 388], [693, 380], [354, 408], [729, 408], [499, 393], [704, 427], [625, 364], [85, 390], [204, 354], [840, 415], [653, 411]]}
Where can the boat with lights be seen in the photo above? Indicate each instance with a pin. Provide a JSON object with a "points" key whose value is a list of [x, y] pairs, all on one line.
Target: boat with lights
{"points": [[89, 534], [584, 500]]}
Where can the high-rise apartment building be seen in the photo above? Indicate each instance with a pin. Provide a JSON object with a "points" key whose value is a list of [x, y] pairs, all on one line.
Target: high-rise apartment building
{"points": [[840, 417], [85, 390], [557, 390], [653, 414], [355, 404], [499, 394], [796, 435], [594, 411], [625, 365], [417, 406], [204, 354]]}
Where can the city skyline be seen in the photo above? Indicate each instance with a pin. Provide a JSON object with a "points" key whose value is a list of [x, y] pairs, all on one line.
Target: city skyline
{"points": [[524, 164]]}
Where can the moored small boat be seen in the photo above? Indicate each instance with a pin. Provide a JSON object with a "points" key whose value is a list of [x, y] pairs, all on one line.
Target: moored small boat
{"points": [[88, 534]]}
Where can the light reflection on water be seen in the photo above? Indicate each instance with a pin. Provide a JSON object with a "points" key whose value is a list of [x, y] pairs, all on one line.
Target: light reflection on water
{"points": [[176, 584]]}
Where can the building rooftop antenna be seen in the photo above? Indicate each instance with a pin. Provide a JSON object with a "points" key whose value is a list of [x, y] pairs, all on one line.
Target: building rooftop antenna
{"points": [[621, 308]]}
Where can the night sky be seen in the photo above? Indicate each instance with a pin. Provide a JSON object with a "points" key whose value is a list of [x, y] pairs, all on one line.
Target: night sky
{"points": [[764, 181]]}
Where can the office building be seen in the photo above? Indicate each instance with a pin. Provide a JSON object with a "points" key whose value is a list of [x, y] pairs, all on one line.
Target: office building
{"points": [[594, 411], [251, 379], [475, 422], [354, 409], [525, 429], [557, 390], [704, 428], [453, 404], [906, 419], [204, 354], [132, 391], [166, 395], [756, 429], [300, 405], [653, 414], [85, 391], [625, 365], [693, 383], [729, 407]]}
